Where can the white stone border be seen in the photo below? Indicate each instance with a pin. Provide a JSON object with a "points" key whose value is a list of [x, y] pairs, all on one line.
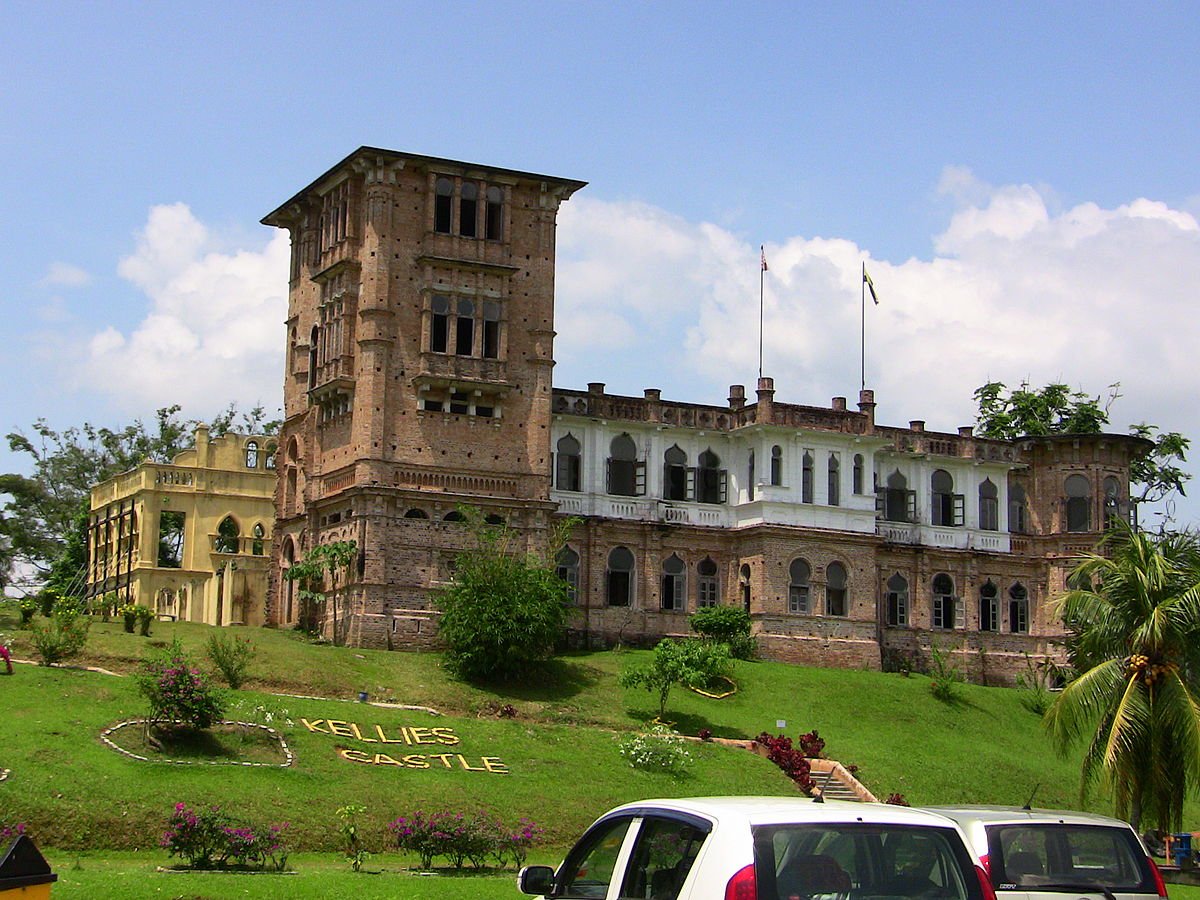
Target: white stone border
{"points": [[4, 773], [289, 757]]}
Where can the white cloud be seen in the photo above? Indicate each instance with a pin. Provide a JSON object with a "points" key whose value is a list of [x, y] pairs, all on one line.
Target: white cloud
{"points": [[61, 274], [213, 332]]}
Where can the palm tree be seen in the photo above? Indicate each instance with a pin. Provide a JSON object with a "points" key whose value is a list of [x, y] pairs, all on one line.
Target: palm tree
{"points": [[1134, 616]]}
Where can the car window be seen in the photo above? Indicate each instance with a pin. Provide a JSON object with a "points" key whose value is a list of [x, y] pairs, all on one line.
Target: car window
{"points": [[1058, 856], [871, 862], [588, 870], [661, 859]]}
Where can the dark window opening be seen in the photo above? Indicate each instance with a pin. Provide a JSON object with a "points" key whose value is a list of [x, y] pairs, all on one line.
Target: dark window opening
{"points": [[673, 583], [834, 478], [468, 209], [460, 403], [491, 330], [858, 473], [989, 607], [620, 577], [626, 475], [798, 587], [944, 602], [439, 333], [568, 464], [495, 214], [897, 601], [1079, 501], [228, 536], [706, 584], [989, 506], [443, 191], [170, 539], [835, 590], [464, 331], [710, 479], [776, 465], [675, 474], [1018, 609], [806, 478]]}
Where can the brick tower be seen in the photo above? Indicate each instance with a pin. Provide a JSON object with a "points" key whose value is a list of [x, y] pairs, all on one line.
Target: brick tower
{"points": [[418, 376]]}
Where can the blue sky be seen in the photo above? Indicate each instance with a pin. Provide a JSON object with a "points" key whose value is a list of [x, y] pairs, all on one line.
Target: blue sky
{"points": [[1020, 179]]}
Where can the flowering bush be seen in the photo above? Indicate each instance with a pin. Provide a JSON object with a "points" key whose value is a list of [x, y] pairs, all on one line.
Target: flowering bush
{"points": [[177, 691], [463, 838], [62, 638], [705, 734], [659, 749], [28, 607], [793, 761], [812, 745], [897, 800], [11, 832], [128, 612], [209, 838]]}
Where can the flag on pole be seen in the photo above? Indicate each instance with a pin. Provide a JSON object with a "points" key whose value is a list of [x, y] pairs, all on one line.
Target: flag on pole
{"points": [[869, 283], [763, 256]]}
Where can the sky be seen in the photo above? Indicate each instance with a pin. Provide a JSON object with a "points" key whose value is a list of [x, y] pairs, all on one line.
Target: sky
{"points": [[1020, 181]]}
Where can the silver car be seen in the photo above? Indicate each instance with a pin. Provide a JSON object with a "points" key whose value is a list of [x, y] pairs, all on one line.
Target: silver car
{"points": [[1043, 854]]}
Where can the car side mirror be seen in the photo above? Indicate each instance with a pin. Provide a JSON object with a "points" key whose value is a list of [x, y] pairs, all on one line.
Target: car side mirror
{"points": [[535, 880]]}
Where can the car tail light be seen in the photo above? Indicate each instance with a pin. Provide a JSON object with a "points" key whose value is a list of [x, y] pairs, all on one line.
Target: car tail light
{"points": [[985, 883], [986, 863], [1158, 879], [742, 885]]}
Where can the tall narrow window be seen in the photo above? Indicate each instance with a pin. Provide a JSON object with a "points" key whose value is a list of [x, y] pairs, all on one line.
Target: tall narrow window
{"points": [[798, 587], [566, 567], [251, 454], [620, 577], [228, 536], [1079, 502], [707, 590], [989, 506], [1017, 509], [443, 196], [468, 209], [710, 479], [744, 586], [258, 533], [314, 340], [464, 328], [989, 607], [834, 478], [439, 323], [491, 329], [495, 214], [272, 449], [675, 474], [858, 473], [1018, 609], [897, 601], [806, 478], [622, 467], [943, 601], [170, 539], [750, 477], [943, 498], [568, 466], [673, 579], [899, 503], [776, 465], [835, 590], [1112, 502]]}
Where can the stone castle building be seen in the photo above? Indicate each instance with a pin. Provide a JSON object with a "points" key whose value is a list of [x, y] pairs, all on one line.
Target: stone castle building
{"points": [[418, 377], [191, 538]]}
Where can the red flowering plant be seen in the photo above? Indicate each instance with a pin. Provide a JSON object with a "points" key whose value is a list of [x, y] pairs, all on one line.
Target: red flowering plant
{"points": [[812, 745], [793, 761]]}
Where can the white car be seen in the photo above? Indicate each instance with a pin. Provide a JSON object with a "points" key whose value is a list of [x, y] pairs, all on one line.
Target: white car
{"points": [[764, 848], [1042, 854]]}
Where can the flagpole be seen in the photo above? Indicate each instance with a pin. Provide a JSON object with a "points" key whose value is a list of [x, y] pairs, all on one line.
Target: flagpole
{"points": [[862, 343], [762, 270]]}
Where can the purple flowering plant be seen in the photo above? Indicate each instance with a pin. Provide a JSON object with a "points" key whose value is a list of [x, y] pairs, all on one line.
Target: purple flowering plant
{"points": [[209, 838], [463, 839], [10, 833], [177, 691]]}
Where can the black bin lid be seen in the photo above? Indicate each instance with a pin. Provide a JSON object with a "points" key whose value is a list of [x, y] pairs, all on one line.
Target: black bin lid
{"points": [[23, 864]]}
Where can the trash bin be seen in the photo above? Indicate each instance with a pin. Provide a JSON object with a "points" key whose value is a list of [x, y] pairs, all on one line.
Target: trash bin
{"points": [[24, 872], [1181, 848]]}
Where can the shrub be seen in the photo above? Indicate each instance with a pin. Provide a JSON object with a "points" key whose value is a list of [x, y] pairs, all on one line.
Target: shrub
{"points": [[145, 615], [658, 750], [128, 612], [28, 607], [11, 832], [812, 745], [231, 655], [47, 598], [463, 839], [515, 844], [63, 638], [208, 838], [897, 800], [177, 691], [944, 676], [356, 853], [791, 760], [690, 662], [725, 625]]}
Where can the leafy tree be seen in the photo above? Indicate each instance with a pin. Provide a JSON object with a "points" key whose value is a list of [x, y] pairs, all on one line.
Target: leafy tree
{"points": [[690, 662], [506, 610], [320, 565], [1134, 618], [1056, 409]]}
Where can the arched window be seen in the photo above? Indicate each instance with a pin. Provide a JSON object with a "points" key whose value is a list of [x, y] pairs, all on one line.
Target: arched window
{"points": [[944, 605], [675, 474], [1112, 502], [897, 601], [858, 473], [251, 454], [439, 323], [899, 503], [1079, 503], [750, 477], [1018, 609], [835, 590], [623, 468], [673, 581], [1018, 522], [989, 506], [798, 587], [710, 479], [495, 214], [707, 589], [468, 209], [454, 516], [834, 478], [947, 506], [744, 586], [415, 513], [228, 536], [776, 465], [443, 195], [620, 577], [464, 327], [568, 464], [269, 462], [989, 607], [493, 519], [259, 534], [806, 477], [566, 567], [491, 329]]}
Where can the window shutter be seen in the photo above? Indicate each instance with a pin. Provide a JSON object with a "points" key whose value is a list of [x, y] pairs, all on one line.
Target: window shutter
{"points": [[880, 504], [608, 475], [911, 506], [639, 478], [554, 469], [960, 506], [960, 613], [723, 477], [691, 484]]}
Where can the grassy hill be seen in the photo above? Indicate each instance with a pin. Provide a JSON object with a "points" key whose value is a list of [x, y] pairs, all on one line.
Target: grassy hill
{"points": [[560, 752]]}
